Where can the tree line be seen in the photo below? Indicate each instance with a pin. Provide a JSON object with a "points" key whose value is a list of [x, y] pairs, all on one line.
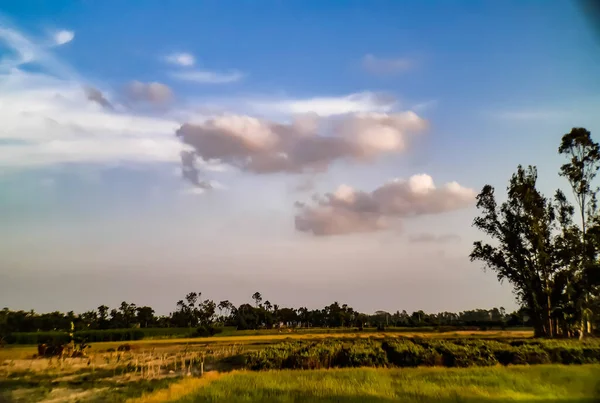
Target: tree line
{"points": [[195, 312], [547, 248]]}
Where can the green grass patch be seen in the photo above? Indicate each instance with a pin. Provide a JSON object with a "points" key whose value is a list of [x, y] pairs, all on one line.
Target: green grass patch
{"points": [[543, 383]]}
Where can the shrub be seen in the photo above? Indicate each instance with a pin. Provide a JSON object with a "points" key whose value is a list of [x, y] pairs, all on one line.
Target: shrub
{"points": [[207, 331], [531, 354], [406, 353], [367, 354]]}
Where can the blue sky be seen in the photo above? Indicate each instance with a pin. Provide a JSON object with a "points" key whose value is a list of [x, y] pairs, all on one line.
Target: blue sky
{"points": [[278, 101]]}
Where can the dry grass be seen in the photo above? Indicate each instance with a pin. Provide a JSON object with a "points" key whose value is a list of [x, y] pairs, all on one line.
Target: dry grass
{"points": [[177, 391]]}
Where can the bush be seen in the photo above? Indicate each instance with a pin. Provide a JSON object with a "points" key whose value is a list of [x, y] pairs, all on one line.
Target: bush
{"points": [[207, 331], [369, 354], [421, 352], [463, 353], [406, 353], [316, 355]]}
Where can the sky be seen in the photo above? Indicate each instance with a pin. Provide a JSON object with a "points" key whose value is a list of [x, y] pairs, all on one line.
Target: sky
{"points": [[312, 151]]}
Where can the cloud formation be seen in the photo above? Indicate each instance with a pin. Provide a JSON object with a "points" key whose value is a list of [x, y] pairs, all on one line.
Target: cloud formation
{"points": [[152, 93], [46, 119], [383, 66], [63, 36], [53, 124], [181, 59], [366, 101], [95, 95], [426, 237], [307, 145], [207, 76], [348, 211]]}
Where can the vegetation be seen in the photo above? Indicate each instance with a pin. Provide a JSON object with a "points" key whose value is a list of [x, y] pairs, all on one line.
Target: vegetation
{"points": [[195, 318], [548, 248], [500, 384], [406, 352], [550, 259], [115, 371]]}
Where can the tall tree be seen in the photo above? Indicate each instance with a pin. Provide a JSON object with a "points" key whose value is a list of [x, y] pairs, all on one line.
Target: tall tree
{"points": [[257, 297], [581, 169], [523, 255]]}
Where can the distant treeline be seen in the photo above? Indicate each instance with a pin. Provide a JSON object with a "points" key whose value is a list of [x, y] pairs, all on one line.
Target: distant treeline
{"points": [[206, 316]]}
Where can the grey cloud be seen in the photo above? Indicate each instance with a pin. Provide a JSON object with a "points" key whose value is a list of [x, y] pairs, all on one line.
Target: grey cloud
{"points": [[433, 238], [190, 171], [353, 211], [308, 145], [153, 93], [93, 94], [383, 66]]}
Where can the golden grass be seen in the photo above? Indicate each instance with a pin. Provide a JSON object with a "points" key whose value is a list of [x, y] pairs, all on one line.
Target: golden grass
{"points": [[177, 391]]}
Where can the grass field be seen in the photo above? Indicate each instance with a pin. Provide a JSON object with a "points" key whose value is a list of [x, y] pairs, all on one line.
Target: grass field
{"points": [[262, 339], [159, 371], [553, 383]]}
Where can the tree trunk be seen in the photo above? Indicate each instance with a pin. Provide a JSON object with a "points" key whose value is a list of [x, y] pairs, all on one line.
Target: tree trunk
{"points": [[539, 326]]}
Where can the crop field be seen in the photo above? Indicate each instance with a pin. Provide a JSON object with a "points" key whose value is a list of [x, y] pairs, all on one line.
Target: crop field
{"points": [[310, 368]]}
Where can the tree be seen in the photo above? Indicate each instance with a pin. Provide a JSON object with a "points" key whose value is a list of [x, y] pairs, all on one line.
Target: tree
{"points": [[145, 316], [257, 298], [225, 306], [103, 317], [522, 228], [580, 171]]}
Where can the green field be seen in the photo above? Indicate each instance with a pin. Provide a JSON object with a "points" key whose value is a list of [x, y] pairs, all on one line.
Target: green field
{"points": [[555, 383], [169, 370]]}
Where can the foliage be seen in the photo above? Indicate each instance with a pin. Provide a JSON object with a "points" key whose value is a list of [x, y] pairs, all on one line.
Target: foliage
{"points": [[551, 262], [419, 352]]}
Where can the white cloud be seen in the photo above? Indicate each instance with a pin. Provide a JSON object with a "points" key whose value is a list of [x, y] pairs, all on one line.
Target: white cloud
{"points": [[23, 51], [308, 144], [327, 106], [181, 59], [63, 36], [281, 108], [53, 116], [383, 66], [208, 77], [347, 210]]}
